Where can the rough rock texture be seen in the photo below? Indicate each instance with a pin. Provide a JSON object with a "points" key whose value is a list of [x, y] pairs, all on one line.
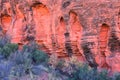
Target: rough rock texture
{"points": [[88, 29]]}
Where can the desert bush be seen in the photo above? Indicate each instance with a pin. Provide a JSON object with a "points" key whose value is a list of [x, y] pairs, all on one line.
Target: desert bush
{"points": [[23, 63], [39, 56], [4, 40], [8, 48], [35, 54], [5, 68], [26, 59], [84, 72], [31, 47], [60, 64], [116, 76]]}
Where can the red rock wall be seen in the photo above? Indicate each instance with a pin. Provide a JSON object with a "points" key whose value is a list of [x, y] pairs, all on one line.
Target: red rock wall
{"points": [[103, 41], [81, 28]]}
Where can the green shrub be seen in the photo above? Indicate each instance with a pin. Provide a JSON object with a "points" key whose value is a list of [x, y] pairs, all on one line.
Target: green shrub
{"points": [[84, 72], [36, 55], [80, 73], [60, 64], [116, 76], [39, 56], [31, 47], [8, 49], [23, 64], [103, 75], [4, 40]]}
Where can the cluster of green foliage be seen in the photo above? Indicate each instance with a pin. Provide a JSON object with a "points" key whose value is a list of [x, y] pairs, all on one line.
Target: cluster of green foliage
{"points": [[36, 54], [8, 49], [84, 72], [31, 56], [39, 56], [23, 60]]}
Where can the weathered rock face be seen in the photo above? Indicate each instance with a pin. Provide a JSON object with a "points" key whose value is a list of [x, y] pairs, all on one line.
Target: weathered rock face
{"points": [[87, 29]]}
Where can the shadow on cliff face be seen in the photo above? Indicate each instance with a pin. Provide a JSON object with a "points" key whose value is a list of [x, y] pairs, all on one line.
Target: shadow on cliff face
{"points": [[114, 43], [89, 56], [36, 3], [68, 45], [66, 4]]}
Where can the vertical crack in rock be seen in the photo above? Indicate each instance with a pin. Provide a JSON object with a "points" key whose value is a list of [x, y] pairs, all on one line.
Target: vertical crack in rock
{"points": [[13, 7], [1, 5], [68, 44], [30, 31], [89, 55], [114, 44], [29, 24], [119, 18]]}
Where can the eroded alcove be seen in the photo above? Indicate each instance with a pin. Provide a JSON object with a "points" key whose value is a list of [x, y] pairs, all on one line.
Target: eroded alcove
{"points": [[5, 20], [60, 30], [63, 40], [41, 16], [103, 37], [75, 31], [16, 26], [103, 44]]}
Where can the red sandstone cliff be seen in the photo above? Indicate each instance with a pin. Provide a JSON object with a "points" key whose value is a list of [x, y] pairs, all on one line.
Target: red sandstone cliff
{"points": [[84, 28]]}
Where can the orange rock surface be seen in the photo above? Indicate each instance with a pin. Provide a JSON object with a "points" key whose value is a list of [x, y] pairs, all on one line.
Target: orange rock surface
{"points": [[81, 28]]}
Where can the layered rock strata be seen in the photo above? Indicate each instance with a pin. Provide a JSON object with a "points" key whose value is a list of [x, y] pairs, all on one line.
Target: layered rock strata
{"points": [[87, 29]]}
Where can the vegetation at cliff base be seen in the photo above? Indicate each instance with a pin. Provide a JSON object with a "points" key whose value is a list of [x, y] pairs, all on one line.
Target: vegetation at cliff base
{"points": [[31, 63]]}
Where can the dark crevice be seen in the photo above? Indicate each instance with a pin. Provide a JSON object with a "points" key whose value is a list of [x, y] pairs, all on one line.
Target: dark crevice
{"points": [[114, 43], [68, 45], [74, 17], [72, 12], [61, 20], [4, 15], [1, 28], [66, 4], [35, 4], [105, 25], [104, 64], [89, 56]]}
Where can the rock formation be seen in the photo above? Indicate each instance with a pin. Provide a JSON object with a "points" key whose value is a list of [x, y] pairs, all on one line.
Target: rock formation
{"points": [[87, 29]]}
